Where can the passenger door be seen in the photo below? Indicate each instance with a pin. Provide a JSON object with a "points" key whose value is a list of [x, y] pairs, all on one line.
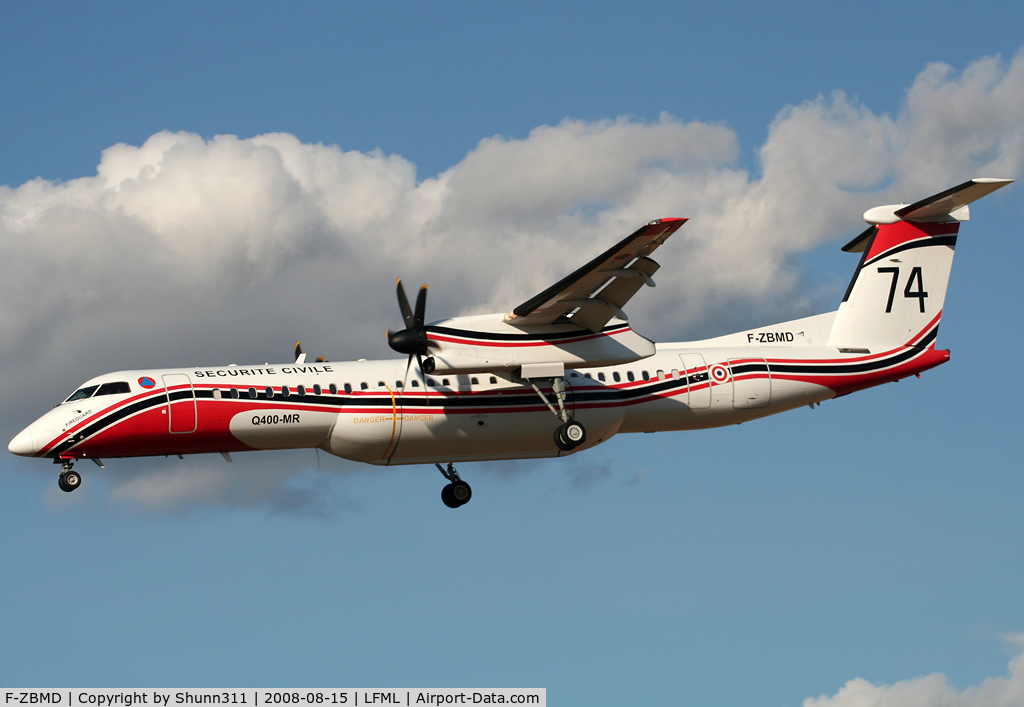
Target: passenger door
{"points": [[182, 417]]}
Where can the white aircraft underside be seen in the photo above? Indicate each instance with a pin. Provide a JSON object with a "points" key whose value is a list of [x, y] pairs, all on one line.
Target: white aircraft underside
{"points": [[561, 373]]}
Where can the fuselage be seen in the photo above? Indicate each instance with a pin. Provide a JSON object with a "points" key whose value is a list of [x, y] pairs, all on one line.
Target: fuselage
{"points": [[387, 412]]}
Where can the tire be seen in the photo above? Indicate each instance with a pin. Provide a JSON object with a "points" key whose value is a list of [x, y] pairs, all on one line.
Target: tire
{"points": [[461, 492], [69, 481], [573, 433], [447, 498], [560, 441]]}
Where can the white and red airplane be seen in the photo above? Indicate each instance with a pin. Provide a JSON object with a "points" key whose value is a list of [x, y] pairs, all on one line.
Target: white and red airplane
{"points": [[560, 373]]}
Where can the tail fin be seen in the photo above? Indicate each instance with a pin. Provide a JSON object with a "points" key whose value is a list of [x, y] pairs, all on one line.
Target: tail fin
{"points": [[895, 297]]}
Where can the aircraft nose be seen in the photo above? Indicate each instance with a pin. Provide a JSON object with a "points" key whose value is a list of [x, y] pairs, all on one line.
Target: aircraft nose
{"points": [[24, 443]]}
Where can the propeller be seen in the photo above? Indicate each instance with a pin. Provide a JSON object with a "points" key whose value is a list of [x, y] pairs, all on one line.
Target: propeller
{"points": [[300, 357], [413, 339]]}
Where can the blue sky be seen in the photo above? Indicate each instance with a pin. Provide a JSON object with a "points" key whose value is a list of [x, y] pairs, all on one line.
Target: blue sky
{"points": [[875, 538]]}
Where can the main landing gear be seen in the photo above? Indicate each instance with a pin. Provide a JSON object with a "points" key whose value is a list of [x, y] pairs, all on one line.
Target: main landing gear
{"points": [[69, 479], [570, 434], [456, 492]]}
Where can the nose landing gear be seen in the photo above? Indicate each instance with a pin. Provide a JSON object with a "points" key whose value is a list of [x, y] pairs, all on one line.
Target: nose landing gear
{"points": [[456, 492], [69, 479]]}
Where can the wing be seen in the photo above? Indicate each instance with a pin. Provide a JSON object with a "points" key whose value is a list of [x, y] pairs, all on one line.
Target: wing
{"points": [[598, 291]]}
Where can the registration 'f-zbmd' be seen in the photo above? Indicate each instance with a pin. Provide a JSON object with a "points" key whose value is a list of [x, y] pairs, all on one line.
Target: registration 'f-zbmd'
{"points": [[560, 373]]}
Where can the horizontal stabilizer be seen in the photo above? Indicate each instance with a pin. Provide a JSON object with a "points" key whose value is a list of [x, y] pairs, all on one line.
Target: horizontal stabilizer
{"points": [[949, 205]]}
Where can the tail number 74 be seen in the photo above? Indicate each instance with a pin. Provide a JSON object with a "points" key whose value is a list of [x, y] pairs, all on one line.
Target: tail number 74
{"points": [[914, 279]]}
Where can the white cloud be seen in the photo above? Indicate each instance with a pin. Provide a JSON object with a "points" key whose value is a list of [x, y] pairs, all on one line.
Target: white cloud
{"points": [[1014, 641], [187, 251], [930, 691], [291, 488]]}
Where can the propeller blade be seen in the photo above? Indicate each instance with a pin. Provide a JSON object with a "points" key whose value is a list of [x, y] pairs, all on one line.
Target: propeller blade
{"points": [[298, 349], [321, 359], [421, 306], [403, 304], [423, 377]]}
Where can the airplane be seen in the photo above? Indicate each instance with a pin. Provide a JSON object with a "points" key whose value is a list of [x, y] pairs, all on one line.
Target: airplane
{"points": [[560, 373]]}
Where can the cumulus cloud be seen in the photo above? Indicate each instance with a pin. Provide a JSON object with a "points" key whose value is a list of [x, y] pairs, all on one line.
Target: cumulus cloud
{"points": [[278, 486], [930, 691], [186, 251]]}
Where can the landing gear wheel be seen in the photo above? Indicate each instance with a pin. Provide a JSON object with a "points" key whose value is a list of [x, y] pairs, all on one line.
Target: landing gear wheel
{"points": [[447, 498], [574, 433], [570, 435], [456, 492], [560, 441], [69, 481], [461, 492]]}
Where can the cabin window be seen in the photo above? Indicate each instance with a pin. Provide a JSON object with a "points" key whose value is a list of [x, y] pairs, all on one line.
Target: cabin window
{"points": [[252, 393], [301, 390], [317, 389], [431, 383], [398, 384], [600, 376], [646, 375], [363, 386], [285, 392], [269, 391], [114, 388], [616, 376], [348, 387], [661, 375], [234, 393], [629, 375], [474, 381], [415, 383], [216, 393], [587, 375], [675, 374], [494, 381], [573, 374], [444, 381], [82, 393], [382, 384]]}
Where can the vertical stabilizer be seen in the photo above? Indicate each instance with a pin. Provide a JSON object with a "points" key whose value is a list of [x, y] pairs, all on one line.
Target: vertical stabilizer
{"points": [[896, 295]]}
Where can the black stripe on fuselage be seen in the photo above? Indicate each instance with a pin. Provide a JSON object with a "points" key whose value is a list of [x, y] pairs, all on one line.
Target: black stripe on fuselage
{"points": [[865, 367], [949, 240], [495, 336]]}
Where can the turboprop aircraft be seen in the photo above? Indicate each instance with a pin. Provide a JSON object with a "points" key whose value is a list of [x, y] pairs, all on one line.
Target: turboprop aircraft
{"points": [[560, 373]]}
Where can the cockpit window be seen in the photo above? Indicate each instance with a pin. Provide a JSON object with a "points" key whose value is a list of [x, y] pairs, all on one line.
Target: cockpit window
{"points": [[82, 393], [114, 388]]}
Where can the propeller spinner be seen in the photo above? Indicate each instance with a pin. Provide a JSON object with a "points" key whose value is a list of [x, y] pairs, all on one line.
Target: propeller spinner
{"points": [[413, 339]]}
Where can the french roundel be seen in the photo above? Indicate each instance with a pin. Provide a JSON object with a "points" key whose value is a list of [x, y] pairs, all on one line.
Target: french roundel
{"points": [[719, 374], [147, 382]]}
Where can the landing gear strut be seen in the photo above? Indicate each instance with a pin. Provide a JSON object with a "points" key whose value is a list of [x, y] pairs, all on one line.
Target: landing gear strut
{"points": [[456, 492], [570, 434], [69, 479]]}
